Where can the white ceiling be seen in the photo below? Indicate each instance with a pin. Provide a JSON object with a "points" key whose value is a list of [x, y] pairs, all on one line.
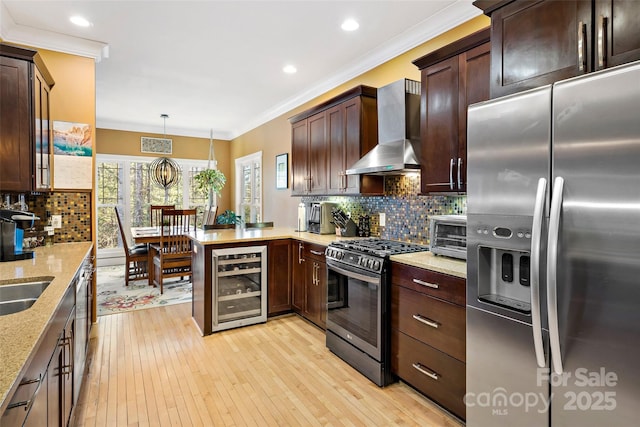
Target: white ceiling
{"points": [[218, 64]]}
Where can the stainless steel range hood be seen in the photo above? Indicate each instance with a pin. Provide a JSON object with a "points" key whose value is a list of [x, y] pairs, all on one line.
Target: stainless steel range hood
{"points": [[398, 149]]}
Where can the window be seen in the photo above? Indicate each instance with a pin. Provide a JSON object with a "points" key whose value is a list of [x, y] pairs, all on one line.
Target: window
{"points": [[249, 187], [125, 182]]}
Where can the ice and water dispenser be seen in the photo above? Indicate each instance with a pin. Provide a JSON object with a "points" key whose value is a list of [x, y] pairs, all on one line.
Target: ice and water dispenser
{"points": [[503, 278], [503, 264]]}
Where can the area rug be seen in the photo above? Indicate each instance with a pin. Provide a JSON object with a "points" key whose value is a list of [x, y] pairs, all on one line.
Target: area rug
{"points": [[115, 297]]}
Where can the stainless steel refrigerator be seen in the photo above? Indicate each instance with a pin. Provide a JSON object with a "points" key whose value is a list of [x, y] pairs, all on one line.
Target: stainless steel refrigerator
{"points": [[553, 297]]}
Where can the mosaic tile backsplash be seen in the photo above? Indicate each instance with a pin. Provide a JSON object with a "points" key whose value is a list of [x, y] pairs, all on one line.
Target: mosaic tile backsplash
{"points": [[74, 207], [407, 212]]}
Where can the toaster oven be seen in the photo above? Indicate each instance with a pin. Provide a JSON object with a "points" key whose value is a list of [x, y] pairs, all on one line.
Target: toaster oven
{"points": [[448, 235]]}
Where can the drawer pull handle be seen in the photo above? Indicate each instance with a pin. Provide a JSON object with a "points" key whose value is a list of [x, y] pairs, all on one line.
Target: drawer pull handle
{"points": [[420, 368], [427, 284], [31, 381], [27, 403], [426, 321], [316, 252]]}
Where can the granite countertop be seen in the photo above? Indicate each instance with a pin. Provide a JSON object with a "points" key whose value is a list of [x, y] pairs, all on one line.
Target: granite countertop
{"points": [[20, 333], [232, 235], [427, 260]]}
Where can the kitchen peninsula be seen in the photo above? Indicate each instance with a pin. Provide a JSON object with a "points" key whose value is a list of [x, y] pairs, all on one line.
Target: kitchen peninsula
{"points": [[281, 243], [279, 250]]}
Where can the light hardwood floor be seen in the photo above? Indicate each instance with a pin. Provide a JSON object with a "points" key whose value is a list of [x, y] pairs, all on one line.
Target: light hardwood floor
{"points": [[152, 368]]}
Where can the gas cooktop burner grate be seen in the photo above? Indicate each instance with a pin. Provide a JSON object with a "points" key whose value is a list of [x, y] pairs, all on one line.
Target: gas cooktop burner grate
{"points": [[380, 247]]}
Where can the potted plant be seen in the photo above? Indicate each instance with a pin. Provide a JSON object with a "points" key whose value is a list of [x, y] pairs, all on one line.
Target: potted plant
{"points": [[210, 181]]}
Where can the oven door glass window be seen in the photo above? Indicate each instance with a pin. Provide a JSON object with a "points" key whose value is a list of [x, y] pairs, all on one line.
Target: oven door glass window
{"points": [[354, 310]]}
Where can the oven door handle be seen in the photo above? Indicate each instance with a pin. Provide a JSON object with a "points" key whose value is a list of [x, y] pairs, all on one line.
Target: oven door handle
{"points": [[353, 274]]}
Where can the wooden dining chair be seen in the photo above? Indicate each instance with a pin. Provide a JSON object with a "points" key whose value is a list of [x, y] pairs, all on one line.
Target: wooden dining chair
{"points": [[173, 254], [156, 213], [137, 256]]}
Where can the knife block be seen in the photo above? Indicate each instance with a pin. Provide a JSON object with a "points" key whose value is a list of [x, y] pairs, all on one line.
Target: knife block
{"points": [[351, 230]]}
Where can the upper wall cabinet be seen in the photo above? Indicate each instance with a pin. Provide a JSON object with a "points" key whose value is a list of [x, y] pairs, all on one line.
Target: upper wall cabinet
{"points": [[539, 42], [453, 77], [25, 127], [327, 139]]}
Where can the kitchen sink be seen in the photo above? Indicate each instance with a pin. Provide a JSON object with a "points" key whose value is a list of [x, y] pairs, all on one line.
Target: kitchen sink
{"points": [[15, 297], [14, 306]]}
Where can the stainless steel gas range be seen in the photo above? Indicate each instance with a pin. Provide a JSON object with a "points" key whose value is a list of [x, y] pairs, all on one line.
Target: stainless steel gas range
{"points": [[358, 305]]}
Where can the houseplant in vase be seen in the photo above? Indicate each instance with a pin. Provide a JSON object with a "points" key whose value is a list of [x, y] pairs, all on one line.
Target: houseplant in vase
{"points": [[210, 181]]}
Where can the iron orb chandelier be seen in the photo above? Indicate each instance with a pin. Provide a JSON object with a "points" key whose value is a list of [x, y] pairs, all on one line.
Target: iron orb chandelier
{"points": [[165, 172]]}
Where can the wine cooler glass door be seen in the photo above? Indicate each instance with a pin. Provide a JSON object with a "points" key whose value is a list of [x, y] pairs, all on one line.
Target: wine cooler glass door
{"points": [[239, 287]]}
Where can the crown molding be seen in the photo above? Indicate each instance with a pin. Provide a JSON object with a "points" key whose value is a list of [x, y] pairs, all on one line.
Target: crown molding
{"points": [[445, 20], [152, 129], [34, 37]]}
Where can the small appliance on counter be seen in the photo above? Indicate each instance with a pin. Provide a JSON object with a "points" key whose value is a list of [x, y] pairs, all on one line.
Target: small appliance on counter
{"points": [[448, 235], [12, 226], [320, 218], [302, 217]]}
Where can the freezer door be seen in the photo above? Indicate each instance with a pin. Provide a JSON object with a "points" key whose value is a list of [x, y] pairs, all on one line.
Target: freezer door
{"points": [[508, 150], [504, 385], [597, 150]]}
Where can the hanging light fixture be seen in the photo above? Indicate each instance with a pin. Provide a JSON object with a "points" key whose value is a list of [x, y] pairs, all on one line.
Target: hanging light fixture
{"points": [[163, 170]]}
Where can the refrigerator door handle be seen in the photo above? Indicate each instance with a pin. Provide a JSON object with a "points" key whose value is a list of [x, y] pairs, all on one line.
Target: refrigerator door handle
{"points": [[552, 270], [536, 239]]}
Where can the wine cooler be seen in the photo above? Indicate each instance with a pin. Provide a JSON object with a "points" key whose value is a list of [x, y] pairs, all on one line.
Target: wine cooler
{"points": [[239, 289]]}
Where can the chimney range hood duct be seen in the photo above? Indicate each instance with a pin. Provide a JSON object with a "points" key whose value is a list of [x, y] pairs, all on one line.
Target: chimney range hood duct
{"points": [[398, 149]]}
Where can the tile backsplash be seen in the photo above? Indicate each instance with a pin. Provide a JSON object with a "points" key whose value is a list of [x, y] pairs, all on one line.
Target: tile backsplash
{"points": [[73, 207], [407, 212]]}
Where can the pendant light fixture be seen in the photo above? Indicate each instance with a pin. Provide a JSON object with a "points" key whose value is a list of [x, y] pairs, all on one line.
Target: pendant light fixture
{"points": [[164, 171]]}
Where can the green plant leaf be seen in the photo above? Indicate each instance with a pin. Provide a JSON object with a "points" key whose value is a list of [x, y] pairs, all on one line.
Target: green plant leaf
{"points": [[210, 179]]}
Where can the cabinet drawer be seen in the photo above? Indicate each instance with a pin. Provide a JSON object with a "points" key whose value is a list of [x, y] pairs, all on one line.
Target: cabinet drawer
{"points": [[433, 373], [434, 322], [314, 251], [429, 282]]}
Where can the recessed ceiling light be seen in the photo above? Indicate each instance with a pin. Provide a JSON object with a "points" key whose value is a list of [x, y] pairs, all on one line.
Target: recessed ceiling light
{"points": [[350, 25], [80, 21], [290, 69]]}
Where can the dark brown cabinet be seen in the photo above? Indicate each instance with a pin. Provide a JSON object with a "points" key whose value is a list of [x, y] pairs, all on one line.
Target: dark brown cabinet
{"points": [[44, 396], [60, 377], [428, 334], [539, 42], [352, 133], [452, 78], [309, 275], [25, 126], [309, 155], [278, 277], [327, 139]]}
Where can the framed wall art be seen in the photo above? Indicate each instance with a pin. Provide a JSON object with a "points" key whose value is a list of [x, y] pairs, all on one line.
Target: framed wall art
{"points": [[282, 171], [72, 155]]}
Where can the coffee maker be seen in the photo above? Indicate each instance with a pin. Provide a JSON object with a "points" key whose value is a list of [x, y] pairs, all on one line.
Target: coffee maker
{"points": [[13, 223]]}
